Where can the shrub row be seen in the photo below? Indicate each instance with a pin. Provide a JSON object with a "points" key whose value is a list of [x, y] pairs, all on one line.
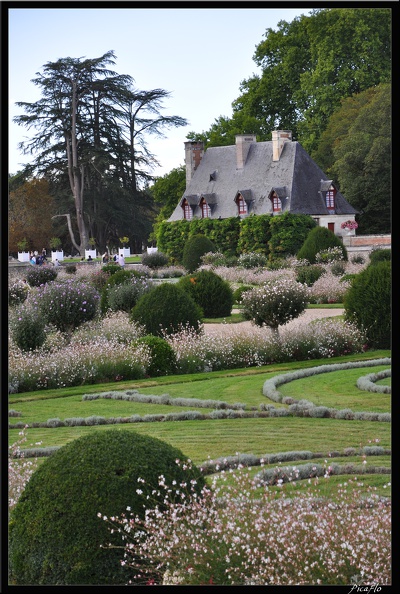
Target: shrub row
{"points": [[272, 236]]}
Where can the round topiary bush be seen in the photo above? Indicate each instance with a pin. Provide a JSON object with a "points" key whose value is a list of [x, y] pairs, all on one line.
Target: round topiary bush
{"points": [[238, 293], [308, 275], [55, 534], [27, 328], [318, 240], [195, 247], [40, 275], [367, 303], [210, 291], [166, 309], [163, 358]]}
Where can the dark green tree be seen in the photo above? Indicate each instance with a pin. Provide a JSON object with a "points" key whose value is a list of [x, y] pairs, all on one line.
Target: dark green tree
{"points": [[307, 67], [363, 159], [91, 128], [317, 240], [168, 190]]}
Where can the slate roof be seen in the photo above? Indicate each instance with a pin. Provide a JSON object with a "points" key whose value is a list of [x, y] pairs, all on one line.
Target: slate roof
{"points": [[296, 178]]}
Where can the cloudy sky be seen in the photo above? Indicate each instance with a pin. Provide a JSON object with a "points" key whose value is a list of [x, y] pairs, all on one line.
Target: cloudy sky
{"points": [[199, 55]]}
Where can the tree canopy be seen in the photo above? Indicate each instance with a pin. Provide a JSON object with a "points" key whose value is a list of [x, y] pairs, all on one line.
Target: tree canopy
{"points": [[325, 76], [307, 67], [29, 215], [362, 156], [92, 127]]}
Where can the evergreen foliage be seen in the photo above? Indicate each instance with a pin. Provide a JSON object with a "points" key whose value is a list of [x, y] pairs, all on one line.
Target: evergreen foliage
{"points": [[380, 255], [166, 309], [213, 294], [195, 247], [163, 358], [308, 275], [56, 536], [111, 268], [288, 233], [27, 328], [317, 240], [367, 303], [255, 234], [238, 293]]}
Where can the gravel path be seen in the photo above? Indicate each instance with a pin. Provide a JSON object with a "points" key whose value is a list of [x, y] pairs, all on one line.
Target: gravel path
{"points": [[305, 318]]}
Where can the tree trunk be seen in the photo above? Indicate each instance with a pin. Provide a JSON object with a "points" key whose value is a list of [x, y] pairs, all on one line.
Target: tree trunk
{"points": [[76, 175]]}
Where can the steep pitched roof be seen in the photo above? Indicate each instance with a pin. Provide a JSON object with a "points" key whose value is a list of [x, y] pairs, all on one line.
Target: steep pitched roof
{"points": [[296, 178]]}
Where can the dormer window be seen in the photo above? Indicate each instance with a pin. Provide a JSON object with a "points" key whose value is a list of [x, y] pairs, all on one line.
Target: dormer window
{"points": [[187, 210], [205, 209], [276, 202], [330, 198], [242, 205]]}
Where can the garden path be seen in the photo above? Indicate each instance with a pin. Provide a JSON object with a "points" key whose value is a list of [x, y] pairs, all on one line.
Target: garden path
{"points": [[305, 318]]}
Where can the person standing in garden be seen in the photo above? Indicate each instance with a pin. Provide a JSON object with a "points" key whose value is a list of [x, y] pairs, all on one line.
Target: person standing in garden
{"points": [[121, 260]]}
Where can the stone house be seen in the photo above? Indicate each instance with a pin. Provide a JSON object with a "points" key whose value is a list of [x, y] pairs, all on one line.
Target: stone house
{"points": [[252, 178]]}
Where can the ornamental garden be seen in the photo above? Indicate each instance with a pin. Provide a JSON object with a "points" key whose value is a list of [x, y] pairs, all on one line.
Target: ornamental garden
{"points": [[261, 443]]}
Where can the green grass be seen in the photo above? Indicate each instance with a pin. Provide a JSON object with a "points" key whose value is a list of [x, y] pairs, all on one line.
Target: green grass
{"points": [[338, 390], [200, 440]]}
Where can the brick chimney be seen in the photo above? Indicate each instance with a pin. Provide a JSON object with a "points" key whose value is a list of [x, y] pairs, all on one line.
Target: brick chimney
{"points": [[243, 142], [279, 137], [194, 152]]}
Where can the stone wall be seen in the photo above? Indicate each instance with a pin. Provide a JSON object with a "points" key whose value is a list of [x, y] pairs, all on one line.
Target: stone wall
{"points": [[366, 243]]}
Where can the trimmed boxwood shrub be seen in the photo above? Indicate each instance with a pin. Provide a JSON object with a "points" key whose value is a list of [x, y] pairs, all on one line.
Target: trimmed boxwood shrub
{"points": [[163, 358], [238, 293], [319, 239], [55, 534], [27, 328], [166, 308], [210, 291], [308, 275], [367, 303], [195, 247]]}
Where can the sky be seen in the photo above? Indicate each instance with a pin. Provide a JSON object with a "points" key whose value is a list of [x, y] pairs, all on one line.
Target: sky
{"points": [[199, 55]]}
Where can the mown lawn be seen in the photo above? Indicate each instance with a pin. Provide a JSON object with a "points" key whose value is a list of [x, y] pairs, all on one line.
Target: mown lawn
{"points": [[201, 440]]}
